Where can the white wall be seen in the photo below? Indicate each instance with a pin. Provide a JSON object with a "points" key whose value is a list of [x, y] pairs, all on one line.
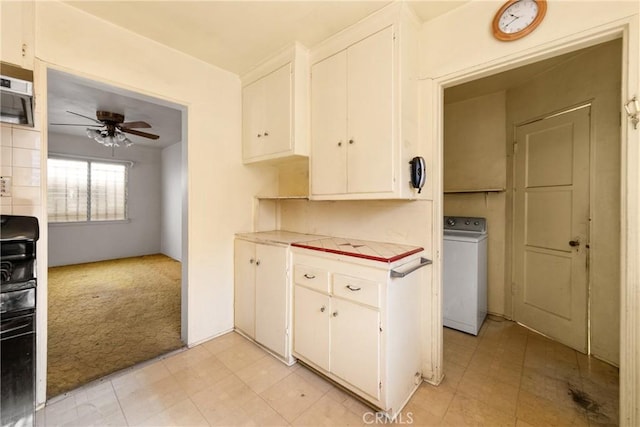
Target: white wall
{"points": [[219, 188], [87, 242], [171, 233]]}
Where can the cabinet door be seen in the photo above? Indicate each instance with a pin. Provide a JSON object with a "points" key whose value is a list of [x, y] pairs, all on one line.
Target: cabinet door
{"points": [[253, 119], [311, 311], [355, 345], [244, 289], [329, 125], [370, 112], [17, 31], [277, 111], [271, 297]]}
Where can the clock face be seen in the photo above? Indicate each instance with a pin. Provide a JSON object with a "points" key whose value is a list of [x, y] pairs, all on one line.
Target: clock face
{"points": [[517, 18]]}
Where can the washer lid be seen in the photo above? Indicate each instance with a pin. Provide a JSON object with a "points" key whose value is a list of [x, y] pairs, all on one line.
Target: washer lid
{"points": [[464, 236]]}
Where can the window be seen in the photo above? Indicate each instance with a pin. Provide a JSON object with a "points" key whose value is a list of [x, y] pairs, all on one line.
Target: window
{"points": [[86, 190]]}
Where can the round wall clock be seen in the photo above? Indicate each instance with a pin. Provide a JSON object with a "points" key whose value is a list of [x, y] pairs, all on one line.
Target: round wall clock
{"points": [[517, 18]]}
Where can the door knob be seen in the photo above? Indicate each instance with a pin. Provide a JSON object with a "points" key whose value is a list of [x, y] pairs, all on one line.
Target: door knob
{"points": [[574, 243]]}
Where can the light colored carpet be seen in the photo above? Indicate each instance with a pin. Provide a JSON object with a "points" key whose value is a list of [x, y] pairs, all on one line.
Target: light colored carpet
{"points": [[109, 315]]}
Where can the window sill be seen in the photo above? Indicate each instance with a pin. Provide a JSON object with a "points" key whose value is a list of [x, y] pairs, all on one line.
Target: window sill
{"points": [[72, 223]]}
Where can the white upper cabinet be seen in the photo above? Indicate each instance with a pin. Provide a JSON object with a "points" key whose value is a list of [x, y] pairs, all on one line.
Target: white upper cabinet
{"points": [[364, 106], [18, 32], [275, 108]]}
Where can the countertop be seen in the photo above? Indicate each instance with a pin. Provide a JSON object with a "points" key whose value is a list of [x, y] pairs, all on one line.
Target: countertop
{"points": [[376, 251], [278, 236]]}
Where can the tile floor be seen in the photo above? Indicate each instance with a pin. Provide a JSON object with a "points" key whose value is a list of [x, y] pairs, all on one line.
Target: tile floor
{"points": [[506, 376]]}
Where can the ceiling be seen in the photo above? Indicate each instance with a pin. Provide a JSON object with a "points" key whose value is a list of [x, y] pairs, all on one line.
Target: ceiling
{"points": [[71, 93], [235, 35]]}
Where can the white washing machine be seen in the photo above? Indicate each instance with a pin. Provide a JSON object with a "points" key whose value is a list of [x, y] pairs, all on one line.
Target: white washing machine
{"points": [[465, 273]]}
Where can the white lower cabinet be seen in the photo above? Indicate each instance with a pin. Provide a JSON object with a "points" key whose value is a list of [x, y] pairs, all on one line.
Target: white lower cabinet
{"points": [[312, 328], [355, 345], [262, 295], [358, 325]]}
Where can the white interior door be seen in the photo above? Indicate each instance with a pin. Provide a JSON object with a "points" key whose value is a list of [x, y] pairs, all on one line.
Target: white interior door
{"points": [[551, 220]]}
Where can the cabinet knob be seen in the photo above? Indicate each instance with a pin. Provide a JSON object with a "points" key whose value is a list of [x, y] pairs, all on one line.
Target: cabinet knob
{"points": [[251, 261], [322, 309], [351, 141], [259, 135], [335, 314], [339, 143], [266, 133], [257, 262]]}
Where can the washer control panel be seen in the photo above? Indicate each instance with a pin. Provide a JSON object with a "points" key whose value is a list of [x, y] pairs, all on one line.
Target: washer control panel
{"points": [[465, 223]]}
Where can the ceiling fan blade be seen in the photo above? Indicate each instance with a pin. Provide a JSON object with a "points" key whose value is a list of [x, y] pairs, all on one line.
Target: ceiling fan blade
{"points": [[86, 117], [75, 124], [138, 133], [130, 125]]}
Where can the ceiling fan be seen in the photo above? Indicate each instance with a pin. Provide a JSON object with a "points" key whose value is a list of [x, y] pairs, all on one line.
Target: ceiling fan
{"points": [[110, 128]]}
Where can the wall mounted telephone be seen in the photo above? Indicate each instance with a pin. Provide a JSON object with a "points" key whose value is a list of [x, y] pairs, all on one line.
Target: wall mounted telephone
{"points": [[418, 173]]}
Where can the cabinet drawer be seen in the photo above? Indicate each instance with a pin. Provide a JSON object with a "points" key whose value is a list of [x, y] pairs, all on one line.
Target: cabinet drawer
{"points": [[314, 278], [358, 290]]}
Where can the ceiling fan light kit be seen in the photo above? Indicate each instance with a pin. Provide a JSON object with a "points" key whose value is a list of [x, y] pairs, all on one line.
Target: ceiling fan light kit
{"points": [[102, 136]]}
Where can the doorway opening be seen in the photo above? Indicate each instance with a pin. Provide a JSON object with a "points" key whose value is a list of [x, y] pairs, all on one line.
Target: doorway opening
{"points": [[503, 162], [115, 229]]}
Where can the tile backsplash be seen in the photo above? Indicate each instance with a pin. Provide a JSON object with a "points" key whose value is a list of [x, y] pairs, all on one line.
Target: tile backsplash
{"points": [[20, 170]]}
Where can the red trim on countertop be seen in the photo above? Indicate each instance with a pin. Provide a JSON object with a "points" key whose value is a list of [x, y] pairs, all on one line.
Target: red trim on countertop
{"points": [[356, 255]]}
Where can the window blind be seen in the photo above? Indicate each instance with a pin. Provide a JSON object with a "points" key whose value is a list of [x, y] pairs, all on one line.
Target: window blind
{"points": [[86, 190]]}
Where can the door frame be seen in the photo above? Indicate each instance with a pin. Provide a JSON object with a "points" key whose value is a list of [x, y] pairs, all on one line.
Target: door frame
{"points": [[433, 102], [40, 76]]}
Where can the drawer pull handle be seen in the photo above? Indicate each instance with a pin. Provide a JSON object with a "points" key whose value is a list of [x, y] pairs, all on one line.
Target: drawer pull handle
{"points": [[423, 262], [352, 288], [322, 309], [309, 276], [335, 314]]}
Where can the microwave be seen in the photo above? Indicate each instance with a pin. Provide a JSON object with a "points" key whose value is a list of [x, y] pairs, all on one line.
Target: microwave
{"points": [[16, 99]]}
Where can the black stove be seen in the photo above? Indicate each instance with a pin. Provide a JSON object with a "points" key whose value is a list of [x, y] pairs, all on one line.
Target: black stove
{"points": [[18, 236]]}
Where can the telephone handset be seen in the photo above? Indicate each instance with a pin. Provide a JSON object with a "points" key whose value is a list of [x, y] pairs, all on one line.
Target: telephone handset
{"points": [[418, 173]]}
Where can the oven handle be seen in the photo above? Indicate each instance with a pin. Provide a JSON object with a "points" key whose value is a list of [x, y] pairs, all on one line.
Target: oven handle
{"points": [[423, 262], [16, 325]]}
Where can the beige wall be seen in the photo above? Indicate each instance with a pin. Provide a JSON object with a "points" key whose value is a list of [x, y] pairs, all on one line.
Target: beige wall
{"points": [[592, 76], [475, 160], [220, 189], [474, 144]]}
